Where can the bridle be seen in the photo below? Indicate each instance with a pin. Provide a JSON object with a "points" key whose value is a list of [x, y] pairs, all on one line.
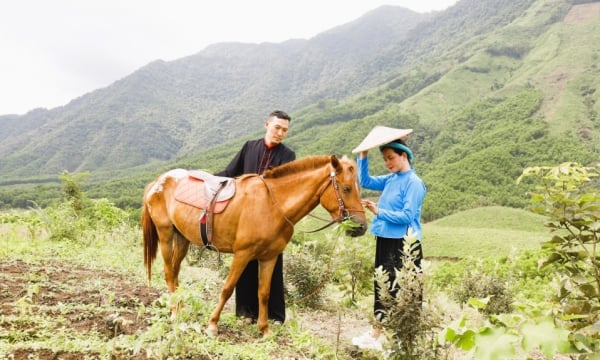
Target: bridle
{"points": [[343, 212]]}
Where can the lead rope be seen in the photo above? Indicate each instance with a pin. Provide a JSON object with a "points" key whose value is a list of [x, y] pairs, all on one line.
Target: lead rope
{"points": [[330, 222], [342, 216], [325, 276], [275, 202]]}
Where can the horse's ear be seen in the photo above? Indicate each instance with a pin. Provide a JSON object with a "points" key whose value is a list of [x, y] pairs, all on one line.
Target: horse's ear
{"points": [[335, 162]]}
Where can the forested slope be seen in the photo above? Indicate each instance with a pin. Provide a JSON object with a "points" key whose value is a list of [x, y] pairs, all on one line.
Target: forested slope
{"points": [[505, 89]]}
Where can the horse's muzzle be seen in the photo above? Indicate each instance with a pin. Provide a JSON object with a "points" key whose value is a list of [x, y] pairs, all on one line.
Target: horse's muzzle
{"points": [[358, 230]]}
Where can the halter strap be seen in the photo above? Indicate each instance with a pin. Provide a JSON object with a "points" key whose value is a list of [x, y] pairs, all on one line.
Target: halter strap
{"points": [[275, 202], [344, 214]]}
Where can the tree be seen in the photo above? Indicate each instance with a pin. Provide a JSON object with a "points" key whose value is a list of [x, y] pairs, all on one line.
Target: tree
{"points": [[72, 189]]}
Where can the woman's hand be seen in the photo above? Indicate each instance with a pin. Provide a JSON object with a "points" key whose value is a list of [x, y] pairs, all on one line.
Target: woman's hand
{"points": [[371, 205]]}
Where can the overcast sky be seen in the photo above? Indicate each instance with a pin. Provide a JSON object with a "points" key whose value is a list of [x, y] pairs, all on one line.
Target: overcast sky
{"points": [[53, 51]]}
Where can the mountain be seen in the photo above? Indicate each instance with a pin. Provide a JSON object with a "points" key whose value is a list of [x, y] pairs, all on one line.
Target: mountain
{"points": [[225, 91], [196, 102], [490, 87]]}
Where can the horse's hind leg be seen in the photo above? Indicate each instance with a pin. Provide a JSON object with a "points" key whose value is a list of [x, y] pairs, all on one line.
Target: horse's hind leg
{"points": [[180, 249], [173, 248]]}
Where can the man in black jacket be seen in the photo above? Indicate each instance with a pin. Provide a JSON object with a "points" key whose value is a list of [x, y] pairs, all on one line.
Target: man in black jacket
{"points": [[255, 157]]}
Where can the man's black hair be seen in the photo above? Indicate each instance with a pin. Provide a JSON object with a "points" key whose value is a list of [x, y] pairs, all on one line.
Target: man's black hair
{"points": [[280, 114]]}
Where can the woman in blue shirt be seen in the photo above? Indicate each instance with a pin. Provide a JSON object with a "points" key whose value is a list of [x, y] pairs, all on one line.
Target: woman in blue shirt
{"points": [[397, 210]]}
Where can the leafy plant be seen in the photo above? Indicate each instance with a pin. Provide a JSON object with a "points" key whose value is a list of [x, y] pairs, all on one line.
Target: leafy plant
{"points": [[72, 189], [505, 336], [354, 271], [568, 196], [478, 284], [304, 271], [408, 324]]}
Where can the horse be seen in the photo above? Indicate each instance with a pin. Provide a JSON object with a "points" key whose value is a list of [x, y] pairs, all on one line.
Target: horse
{"points": [[257, 223]]}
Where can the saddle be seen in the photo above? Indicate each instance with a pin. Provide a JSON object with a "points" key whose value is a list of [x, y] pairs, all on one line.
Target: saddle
{"points": [[207, 192], [200, 189]]}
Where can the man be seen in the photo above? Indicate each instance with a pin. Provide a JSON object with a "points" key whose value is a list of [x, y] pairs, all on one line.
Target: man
{"points": [[256, 156]]}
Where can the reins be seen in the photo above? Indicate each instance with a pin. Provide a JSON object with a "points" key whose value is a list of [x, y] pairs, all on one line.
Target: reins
{"points": [[344, 214], [275, 202]]}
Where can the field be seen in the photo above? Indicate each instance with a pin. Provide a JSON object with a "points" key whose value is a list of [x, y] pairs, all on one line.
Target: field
{"points": [[485, 232], [88, 299]]}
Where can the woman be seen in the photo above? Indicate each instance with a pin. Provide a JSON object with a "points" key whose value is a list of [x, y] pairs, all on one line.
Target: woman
{"points": [[397, 211]]}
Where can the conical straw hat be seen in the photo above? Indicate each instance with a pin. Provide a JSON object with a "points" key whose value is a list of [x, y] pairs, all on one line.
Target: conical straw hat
{"points": [[381, 135]]}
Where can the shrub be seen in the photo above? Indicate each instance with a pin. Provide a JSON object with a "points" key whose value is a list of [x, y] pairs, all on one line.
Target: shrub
{"points": [[409, 326], [353, 272], [62, 222], [568, 196], [304, 272], [477, 284], [102, 212]]}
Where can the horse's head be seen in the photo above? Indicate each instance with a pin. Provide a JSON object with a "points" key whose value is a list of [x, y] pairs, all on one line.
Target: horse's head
{"points": [[341, 196]]}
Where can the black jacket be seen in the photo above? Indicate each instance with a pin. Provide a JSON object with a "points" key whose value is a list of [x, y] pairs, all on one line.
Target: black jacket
{"points": [[255, 158]]}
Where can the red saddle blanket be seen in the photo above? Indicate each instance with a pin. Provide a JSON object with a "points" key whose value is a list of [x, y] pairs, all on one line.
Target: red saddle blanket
{"points": [[191, 191]]}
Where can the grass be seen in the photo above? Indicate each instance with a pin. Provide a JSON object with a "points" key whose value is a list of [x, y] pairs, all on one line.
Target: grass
{"points": [[486, 232], [61, 297], [492, 231]]}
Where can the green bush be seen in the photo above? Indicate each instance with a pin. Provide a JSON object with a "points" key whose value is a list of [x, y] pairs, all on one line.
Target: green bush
{"points": [[304, 272], [408, 325], [518, 272], [477, 284], [570, 198], [103, 213], [62, 222], [353, 273]]}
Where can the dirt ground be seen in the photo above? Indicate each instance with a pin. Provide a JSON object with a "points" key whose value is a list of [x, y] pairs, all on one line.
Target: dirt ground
{"points": [[58, 284], [582, 13], [55, 285]]}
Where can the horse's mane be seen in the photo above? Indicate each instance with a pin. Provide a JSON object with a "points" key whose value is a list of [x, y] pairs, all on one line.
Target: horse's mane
{"points": [[296, 166]]}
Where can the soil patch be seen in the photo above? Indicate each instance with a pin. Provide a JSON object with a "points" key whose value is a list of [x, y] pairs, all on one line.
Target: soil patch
{"points": [[582, 13], [107, 302]]}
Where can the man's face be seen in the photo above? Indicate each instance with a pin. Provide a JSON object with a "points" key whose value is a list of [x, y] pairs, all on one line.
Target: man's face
{"points": [[277, 130]]}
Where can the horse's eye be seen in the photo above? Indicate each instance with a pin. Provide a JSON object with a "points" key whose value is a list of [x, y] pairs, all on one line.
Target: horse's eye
{"points": [[347, 189]]}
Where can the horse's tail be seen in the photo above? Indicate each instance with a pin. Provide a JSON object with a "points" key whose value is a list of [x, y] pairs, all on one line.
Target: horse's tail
{"points": [[150, 240]]}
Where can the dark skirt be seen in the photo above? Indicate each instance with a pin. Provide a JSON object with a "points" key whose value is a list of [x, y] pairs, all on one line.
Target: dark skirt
{"points": [[389, 255]]}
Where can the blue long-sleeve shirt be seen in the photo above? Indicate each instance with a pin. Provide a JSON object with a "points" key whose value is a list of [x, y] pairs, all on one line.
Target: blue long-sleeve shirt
{"points": [[400, 203]]}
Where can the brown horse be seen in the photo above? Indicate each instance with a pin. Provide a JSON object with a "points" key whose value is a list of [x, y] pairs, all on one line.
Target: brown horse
{"points": [[257, 223]]}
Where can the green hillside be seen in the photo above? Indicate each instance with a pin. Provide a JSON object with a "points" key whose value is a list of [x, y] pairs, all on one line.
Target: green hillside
{"points": [[486, 232], [169, 110], [489, 87]]}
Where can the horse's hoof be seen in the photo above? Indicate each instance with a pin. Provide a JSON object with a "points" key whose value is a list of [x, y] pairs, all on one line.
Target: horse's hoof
{"points": [[212, 330], [265, 331]]}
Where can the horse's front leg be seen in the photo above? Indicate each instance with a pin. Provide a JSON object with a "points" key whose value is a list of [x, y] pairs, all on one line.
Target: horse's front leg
{"points": [[238, 264], [265, 273]]}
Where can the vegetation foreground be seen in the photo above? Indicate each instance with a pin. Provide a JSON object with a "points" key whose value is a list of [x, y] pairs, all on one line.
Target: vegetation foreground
{"points": [[73, 287]]}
